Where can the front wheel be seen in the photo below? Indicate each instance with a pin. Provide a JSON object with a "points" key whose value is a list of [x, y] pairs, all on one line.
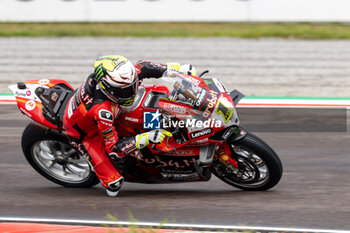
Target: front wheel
{"points": [[258, 166], [51, 155]]}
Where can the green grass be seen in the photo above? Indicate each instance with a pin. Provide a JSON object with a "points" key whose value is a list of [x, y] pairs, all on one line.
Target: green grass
{"points": [[243, 30]]}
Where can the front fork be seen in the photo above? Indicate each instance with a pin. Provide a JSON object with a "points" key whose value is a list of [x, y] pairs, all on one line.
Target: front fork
{"points": [[223, 154]]}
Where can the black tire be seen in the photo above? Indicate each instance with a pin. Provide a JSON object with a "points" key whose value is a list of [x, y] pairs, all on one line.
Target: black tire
{"points": [[33, 135], [265, 153]]}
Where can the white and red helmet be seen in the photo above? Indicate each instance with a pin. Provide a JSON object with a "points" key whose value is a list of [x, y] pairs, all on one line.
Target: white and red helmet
{"points": [[117, 78]]}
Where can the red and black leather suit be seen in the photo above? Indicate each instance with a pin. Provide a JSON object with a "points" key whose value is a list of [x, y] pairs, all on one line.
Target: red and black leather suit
{"points": [[89, 119]]}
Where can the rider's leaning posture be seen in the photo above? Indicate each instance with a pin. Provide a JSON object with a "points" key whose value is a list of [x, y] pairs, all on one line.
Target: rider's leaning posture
{"points": [[91, 111]]}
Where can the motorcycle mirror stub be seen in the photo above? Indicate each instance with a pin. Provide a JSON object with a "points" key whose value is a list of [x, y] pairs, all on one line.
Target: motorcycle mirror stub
{"points": [[21, 85]]}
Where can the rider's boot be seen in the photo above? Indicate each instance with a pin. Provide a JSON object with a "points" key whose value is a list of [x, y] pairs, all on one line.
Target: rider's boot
{"points": [[113, 184]]}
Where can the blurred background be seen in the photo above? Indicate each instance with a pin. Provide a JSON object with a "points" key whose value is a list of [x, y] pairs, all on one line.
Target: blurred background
{"points": [[261, 47], [174, 11]]}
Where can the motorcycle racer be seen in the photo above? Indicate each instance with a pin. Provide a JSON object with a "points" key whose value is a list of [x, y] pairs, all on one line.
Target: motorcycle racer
{"points": [[91, 111]]}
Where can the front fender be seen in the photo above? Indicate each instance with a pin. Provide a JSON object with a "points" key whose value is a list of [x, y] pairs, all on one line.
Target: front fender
{"points": [[232, 133], [238, 133]]}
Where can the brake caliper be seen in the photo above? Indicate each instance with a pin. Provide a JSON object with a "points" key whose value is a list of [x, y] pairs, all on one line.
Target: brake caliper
{"points": [[224, 154]]}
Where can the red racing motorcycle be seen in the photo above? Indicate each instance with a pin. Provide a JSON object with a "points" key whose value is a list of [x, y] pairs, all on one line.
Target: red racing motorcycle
{"points": [[200, 112]]}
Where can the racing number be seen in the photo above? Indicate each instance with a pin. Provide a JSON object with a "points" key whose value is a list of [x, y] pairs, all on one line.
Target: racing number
{"points": [[225, 111]]}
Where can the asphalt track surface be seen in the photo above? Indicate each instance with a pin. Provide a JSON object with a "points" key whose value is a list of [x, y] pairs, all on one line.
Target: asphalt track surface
{"points": [[314, 191]]}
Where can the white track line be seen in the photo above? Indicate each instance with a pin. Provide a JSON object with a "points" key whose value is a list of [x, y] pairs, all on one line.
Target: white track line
{"points": [[167, 225]]}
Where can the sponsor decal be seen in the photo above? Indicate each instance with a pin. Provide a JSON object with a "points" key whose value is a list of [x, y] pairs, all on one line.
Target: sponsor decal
{"points": [[78, 147], [178, 171], [185, 152], [30, 105], [25, 112], [201, 97], [192, 80], [106, 115], [228, 133], [20, 94], [151, 120], [165, 163], [54, 96], [128, 146], [178, 177], [219, 85], [77, 98], [175, 108], [44, 81], [201, 133], [28, 93], [84, 96], [132, 119], [105, 123], [199, 142], [211, 103]]}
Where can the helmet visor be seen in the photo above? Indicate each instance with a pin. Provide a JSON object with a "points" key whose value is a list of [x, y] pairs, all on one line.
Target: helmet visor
{"points": [[122, 94]]}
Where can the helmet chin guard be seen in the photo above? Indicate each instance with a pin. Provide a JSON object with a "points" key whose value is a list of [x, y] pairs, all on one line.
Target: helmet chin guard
{"points": [[122, 96]]}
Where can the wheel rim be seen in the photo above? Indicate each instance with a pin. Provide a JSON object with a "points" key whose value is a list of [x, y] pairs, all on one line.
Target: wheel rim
{"points": [[61, 161], [252, 171]]}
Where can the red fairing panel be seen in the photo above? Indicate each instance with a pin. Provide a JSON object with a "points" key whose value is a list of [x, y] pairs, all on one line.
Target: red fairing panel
{"points": [[30, 105], [127, 122]]}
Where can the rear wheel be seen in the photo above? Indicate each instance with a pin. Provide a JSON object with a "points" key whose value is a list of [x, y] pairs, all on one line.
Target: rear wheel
{"points": [[259, 167], [51, 155]]}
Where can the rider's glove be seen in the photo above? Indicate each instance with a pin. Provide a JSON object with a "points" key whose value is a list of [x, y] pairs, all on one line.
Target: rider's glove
{"points": [[188, 69], [185, 68], [154, 136]]}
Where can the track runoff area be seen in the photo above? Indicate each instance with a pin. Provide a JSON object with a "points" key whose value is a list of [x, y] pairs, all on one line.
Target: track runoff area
{"points": [[13, 224]]}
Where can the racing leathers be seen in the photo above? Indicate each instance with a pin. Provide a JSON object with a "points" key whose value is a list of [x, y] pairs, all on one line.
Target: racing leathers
{"points": [[88, 121]]}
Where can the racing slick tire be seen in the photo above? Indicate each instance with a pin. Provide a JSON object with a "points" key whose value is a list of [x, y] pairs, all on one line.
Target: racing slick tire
{"points": [[51, 156], [259, 167]]}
